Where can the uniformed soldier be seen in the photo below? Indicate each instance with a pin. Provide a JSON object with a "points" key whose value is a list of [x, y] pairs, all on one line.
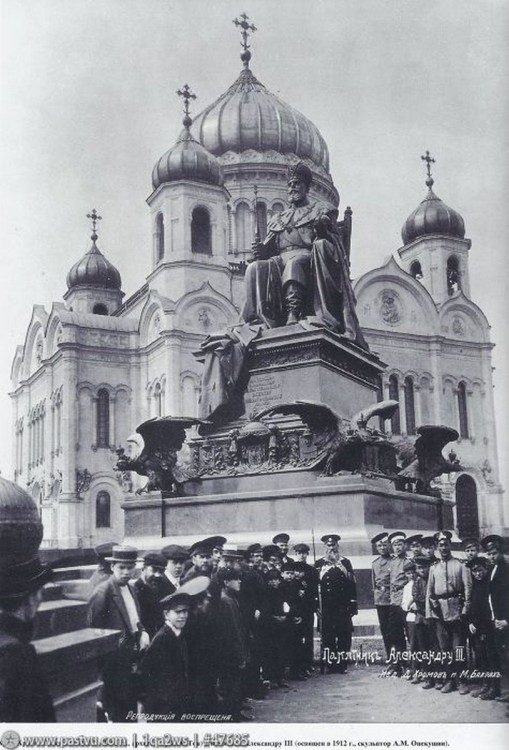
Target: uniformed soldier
{"points": [[150, 592], [201, 559], [398, 579], [338, 604], [380, 577], [282, 540]]}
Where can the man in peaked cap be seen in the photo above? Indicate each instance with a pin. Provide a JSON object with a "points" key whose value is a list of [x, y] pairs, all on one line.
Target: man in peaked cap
{"points": [[216, 544], [271, 557], [380, 578], [103, 570], [338, 600], [311, 582], [428, 548], [252, 593], [397, 616], [150, 591], [114, 606], [201, 559], [447, 604], [24, 693], [176, 557], [499, 604], [471, 547], [282, 540], [414, 545]]}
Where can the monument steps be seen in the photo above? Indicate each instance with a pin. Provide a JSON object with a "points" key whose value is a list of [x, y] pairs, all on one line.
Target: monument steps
{"points": [[59, 616]]}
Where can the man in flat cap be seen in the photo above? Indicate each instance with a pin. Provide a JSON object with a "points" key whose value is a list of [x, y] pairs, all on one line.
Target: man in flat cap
{"points": [[428, 548], [24, 693], [150, 592], [282, 540], [176, 557], [397, 616], [311, 581], [114, 606], [447, 605], [338, 604], [201, 559], [380, 579], [499, 604]]}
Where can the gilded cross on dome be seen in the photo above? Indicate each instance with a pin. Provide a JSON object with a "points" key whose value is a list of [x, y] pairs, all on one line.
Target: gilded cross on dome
{"points": [[186, 93], [95, 218], [246, 28], [429, 161]]}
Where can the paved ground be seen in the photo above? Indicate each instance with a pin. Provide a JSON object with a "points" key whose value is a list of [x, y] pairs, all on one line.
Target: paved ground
{"points": [[362, 696]]}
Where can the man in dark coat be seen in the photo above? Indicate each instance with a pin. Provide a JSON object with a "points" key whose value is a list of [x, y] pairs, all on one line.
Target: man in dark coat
{"points": [[114, 606], [201, 559], [176, 557], [338, 599], [499, 604], [164, 672], [311, 581], [282, 540], [252, 594], [150, 591], [482, 629]]}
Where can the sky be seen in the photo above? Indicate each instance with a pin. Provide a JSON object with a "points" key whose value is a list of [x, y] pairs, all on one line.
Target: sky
{"points": [[88, 104]]}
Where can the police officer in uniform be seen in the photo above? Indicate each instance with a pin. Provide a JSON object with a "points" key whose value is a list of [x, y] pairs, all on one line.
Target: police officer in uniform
{"points": [[338, 604], [381, 580]]}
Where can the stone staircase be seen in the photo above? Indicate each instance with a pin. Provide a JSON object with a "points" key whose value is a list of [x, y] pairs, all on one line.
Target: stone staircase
{"points": [[69, 651]]}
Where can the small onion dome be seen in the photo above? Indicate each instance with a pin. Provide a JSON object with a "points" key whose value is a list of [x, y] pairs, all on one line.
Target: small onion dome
{"points": [[432, 216], [187, 160], [20, 525], [94, 270], [249, 116]]}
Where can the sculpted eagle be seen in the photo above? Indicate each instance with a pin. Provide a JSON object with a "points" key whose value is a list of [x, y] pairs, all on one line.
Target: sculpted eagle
{"points": [[424, 459]]}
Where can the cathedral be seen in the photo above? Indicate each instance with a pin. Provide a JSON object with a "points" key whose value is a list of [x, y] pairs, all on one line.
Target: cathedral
{"points": [[97, 365]]}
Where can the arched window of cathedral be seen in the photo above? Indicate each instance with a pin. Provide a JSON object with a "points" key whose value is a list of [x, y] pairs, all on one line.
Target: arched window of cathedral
{"points": [[158, 398], [453, 274], [201, 236], [261, 219], [159, 237], [103, 418], [409, 405], [103, 510], [394, 394], [243, 227], [462, 410], [416, 270], [100, 309]]}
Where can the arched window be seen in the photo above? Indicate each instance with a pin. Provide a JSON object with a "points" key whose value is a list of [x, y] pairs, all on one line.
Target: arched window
{"points": [[467, 511], [462, 410], [201, 241], [103, 419], [100, 309], [416, 270], [243, 227], [453, 274], [394, 394], [261, 219], [158, 398], [409, 405], [159, 237], [103, 510]]}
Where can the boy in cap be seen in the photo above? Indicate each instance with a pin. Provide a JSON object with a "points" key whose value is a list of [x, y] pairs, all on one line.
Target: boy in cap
{"points": [[493, 545], [150, 592], [274, 630], [380, 579], [271, 558], [114, 606], [448, 602], [164, 676], [414, 545], [176, 557], [397, 616], [408, 607]]}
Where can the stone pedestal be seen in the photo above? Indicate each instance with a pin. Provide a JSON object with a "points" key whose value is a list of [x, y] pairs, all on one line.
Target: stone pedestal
{"points": [[315, 364]]}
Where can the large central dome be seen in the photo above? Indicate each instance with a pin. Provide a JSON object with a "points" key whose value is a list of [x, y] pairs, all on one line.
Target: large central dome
{"points": [[249, 116]]}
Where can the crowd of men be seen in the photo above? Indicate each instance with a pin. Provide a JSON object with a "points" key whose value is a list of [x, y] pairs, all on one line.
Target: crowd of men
{"points": [[444, 620], [212, 628]]}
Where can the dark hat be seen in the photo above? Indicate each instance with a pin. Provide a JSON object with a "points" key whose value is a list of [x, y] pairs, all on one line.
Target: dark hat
{"points": [[492, 542], [331, 539], [227, 574], [175, 600], [428, 541], [397, 536], [382, 537], [408, 565], [123, 553], [23, 578], [420, 560], [195, 586], [215, 542], [443, 535], [478, 562], [104, 550], [287, 566], [272, 573], [271, 550], [414, 538], [301, 547], [174, 552], [254, 548], [285, 538], [155, 559], [470, 542], [203, 547]]}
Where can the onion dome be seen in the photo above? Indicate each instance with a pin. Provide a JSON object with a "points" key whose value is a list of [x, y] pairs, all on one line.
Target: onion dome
{"points": [[93, 269], [187, 159], [432, 216]]}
